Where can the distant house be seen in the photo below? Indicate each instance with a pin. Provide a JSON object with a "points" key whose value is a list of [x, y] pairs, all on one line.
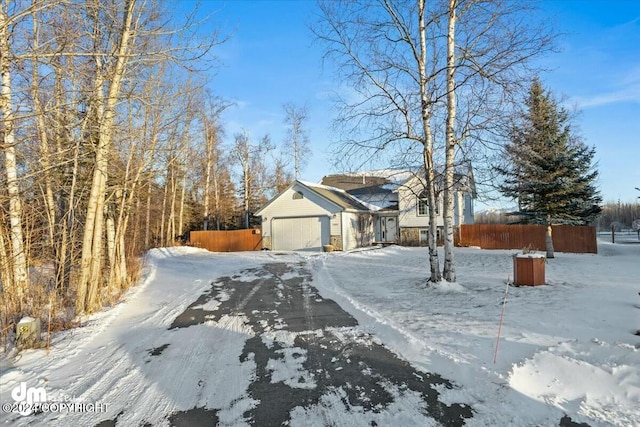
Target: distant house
{"points": [[354, 210], [403, 216]]}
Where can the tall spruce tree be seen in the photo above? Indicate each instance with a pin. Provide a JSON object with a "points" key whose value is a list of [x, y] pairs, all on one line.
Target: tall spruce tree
{"points": [[548, 169]]}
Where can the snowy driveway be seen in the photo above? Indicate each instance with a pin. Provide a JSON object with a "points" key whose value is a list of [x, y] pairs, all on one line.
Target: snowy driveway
{"points": [[231, 340]]}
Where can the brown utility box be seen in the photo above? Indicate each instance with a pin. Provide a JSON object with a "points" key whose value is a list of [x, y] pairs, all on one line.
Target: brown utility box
{"points": [[528, 270]]}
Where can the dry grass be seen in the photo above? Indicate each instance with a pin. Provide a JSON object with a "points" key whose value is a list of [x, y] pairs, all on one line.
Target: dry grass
{"points": [[56, 312]]}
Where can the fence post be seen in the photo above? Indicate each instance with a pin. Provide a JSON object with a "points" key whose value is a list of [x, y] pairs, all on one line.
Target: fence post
{"points": [[613, 233]]}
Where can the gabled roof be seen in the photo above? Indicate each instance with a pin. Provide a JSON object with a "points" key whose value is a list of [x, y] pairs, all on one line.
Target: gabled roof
{"points": [[375, 184], [336, 196], [383, 179], [339, 197], [376, 187]]}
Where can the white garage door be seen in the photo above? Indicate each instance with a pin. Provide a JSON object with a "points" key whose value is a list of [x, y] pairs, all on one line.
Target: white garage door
{"points": [[300, 234]]}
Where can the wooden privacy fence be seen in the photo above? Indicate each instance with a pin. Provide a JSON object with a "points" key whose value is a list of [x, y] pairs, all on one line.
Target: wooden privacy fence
{"points": [[227, 241], [566, 238]]}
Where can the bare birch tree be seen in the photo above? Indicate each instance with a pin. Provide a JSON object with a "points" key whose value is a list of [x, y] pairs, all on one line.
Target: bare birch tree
{"points": [[490, 47], [105, 106], [384, 50], [212, 131], [17, 284], [297, 140], [449, 273], [250, 158]]}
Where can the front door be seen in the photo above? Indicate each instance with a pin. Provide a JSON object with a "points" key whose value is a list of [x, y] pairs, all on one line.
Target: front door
{"points": [[388, 229]]}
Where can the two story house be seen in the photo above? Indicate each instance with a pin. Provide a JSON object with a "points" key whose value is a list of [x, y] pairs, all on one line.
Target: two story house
{"points": [[399, 194], [359, 209]]}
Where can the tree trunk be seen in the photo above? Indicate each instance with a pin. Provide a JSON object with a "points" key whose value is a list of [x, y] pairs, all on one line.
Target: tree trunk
{"points": [[6, 270], [111, 246], [247, 186], [147, 225], [41, 130], [549, 239], [66, 249], [183, 192], [216, 199], [171, 223], [427, 153], [91, 262], [449, 272], [163, 241], [20, 280], [208, 135]]}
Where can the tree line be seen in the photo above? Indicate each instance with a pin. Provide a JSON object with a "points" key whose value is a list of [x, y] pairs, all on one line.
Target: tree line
{"points": [[113, 143], [619, 215]]}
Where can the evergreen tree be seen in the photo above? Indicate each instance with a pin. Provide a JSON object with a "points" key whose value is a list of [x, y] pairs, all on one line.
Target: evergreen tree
{"points": [[548, 169]]}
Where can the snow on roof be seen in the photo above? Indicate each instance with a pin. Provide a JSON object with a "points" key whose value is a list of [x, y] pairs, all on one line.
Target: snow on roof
{"points": [[340, 197]]}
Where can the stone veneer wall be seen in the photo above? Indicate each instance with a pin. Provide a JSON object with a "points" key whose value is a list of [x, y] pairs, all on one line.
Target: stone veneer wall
{"points": [[336, 242], [410, 236], [266, 242]]}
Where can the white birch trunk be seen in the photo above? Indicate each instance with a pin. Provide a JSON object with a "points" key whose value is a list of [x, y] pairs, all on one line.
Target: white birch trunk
{"points": [[163, 241], [6, 271], [207, 172], [41, 129], [171, 224], [449, 273], [182, 197], [111, 245], [20, 277], [147, 225], [434, 263], [216, 199], [91, 262]]}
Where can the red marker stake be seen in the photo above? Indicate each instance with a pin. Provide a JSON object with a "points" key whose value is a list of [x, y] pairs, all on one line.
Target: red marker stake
{"points": [[504, 305]]}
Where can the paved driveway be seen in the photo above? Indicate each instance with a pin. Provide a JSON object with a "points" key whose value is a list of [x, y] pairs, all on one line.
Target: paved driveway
{"points": [[312, 360], [229, 340]]}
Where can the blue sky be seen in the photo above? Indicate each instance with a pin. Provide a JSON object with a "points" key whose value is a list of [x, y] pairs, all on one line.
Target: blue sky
{"points": [[271, 59]]}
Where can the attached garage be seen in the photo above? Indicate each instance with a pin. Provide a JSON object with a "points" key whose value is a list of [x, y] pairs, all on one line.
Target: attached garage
{"points": [[306, 217], [300, 233]]}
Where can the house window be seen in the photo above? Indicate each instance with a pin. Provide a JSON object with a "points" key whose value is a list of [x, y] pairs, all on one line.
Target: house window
{"points": [[423, 204], [424, 236], [298, 195]]}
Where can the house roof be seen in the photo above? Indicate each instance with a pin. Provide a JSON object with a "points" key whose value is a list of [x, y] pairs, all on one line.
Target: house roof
{"points": [[385, 179], [375, 187], [339, 197], [336, 196], [376, 184]]}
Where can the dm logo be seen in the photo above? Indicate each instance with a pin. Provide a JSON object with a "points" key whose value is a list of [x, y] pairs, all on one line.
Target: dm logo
{"points": [[29, 396]]}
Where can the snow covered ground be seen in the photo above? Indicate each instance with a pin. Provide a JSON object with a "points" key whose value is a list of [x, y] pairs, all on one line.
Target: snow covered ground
{"points": [[566, 349]]}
